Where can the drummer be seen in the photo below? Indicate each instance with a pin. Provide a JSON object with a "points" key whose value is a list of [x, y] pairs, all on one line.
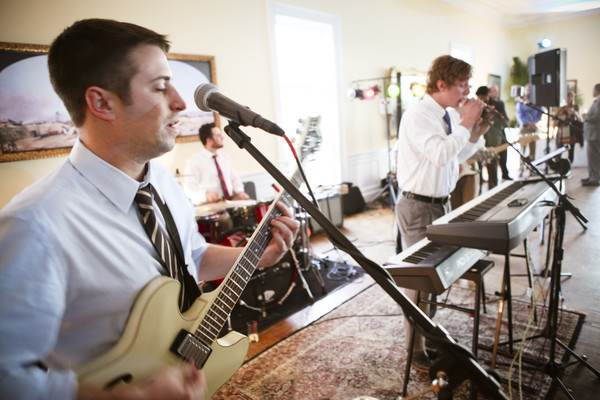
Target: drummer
{"points": [[203, 182]]}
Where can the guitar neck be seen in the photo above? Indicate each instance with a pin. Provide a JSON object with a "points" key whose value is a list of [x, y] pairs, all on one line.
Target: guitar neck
{"points": [[235, 282]]}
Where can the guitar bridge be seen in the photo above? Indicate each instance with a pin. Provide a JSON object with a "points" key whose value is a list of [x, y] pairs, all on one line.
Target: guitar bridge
{"points": [[190, 348]]}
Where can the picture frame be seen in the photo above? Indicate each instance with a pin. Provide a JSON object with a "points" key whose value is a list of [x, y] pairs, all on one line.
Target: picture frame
{"points": [[495, 80], [34, 122], [572, 86]]}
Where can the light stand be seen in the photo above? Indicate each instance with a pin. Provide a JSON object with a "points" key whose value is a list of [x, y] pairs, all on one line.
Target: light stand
{"points": [[389, 185], [457, 361]]}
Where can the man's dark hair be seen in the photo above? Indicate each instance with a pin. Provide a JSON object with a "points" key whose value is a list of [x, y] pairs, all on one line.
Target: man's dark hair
{"points": [[96, 52], [205, 132], [447, 69], [482, 91]]}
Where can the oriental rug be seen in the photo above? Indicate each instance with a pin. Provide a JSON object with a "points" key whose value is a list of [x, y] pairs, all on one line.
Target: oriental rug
{"points": [[359, 350]]}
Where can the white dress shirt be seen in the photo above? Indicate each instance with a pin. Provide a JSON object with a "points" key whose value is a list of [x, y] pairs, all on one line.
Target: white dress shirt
{"points": [[73, 257], [427, 156], [201, 176]]}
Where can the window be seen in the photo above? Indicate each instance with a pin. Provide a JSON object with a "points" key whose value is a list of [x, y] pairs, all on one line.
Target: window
{"points": [[306, 65]]}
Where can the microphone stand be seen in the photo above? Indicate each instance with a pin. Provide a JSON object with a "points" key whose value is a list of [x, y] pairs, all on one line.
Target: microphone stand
{"points": [[553, 368], [531, 164], [457, 362]]}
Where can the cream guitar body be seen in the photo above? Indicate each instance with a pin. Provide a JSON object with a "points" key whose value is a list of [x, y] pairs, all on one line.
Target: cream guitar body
{"points": [[152, 329]]}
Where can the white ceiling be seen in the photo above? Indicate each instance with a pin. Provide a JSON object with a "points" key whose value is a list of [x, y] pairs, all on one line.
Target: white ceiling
{"points": [[519, 13]]}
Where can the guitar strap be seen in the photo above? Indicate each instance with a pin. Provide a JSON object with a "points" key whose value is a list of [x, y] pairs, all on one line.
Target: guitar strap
{"points": [[192, 291]]}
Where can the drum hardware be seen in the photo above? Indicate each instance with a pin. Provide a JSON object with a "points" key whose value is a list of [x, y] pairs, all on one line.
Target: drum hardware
{"points": [[271, 286], [309, 261], [340, 271]]}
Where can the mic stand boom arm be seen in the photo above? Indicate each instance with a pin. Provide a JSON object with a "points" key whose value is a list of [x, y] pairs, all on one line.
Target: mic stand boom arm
{"points": [[563, 198], [458, 360]]}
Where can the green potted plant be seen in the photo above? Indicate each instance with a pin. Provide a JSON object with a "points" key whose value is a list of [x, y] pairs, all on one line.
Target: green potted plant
{"points": [[519, 75]]}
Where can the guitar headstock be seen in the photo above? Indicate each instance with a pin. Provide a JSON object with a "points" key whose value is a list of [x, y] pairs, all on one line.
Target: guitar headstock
{"points": [[308, 137]]}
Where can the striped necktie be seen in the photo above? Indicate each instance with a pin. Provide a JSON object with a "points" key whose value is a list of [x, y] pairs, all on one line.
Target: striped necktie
{"points": [[222, 179], [143, 199], [447, 119]]}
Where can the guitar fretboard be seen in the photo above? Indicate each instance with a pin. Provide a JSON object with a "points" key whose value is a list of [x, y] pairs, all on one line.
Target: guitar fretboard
{"points": [[234, 284]]}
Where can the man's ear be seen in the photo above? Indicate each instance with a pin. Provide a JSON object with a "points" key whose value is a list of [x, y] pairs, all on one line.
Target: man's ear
{"points": [[100, 102], [441, 85]]}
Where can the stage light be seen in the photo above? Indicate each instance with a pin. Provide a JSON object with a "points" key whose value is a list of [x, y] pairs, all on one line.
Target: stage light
{"points": [[417, 89], [355, 94], [370, 93], [393, 90], [544, 43]]}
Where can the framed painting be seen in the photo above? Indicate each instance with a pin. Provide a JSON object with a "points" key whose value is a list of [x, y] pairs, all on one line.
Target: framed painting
{"points": [[34, 122]]}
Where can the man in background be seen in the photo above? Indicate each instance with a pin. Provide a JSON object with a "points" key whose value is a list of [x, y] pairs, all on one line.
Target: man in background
{"points": [[494, 100], [591, 135], [443, 129], [494, 137], [528, 117], [210, 176]]}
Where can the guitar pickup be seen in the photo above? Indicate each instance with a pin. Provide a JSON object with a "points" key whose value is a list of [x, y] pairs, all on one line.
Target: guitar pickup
{"points": [[189, 347]]}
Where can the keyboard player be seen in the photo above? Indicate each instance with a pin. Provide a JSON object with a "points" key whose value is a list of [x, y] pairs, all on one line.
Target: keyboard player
{"points": [[443, 129]]}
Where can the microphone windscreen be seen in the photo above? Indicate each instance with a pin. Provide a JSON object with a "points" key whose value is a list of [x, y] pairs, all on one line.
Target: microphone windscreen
{"points": [[201, 95]]}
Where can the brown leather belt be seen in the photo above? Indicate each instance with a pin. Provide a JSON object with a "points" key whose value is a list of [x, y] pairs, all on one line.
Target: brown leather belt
{"points": [[426, 199]]}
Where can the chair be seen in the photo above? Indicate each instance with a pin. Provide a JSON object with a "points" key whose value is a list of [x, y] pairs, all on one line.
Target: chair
{"points": [[250, 189]]}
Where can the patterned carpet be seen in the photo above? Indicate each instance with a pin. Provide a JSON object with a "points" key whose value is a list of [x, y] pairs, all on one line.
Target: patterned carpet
{"points": [[358, 350]]}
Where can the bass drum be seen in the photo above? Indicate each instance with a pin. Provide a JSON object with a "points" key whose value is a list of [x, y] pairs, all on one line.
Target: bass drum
{"points": [[268, 287]]}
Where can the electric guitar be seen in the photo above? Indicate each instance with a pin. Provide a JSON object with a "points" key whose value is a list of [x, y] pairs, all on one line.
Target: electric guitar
{"points": [[157, 334], [470, 167], [490, 153]]}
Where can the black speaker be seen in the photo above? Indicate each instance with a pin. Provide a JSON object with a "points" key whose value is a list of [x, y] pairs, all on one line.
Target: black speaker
{"points": [[548, 78], [353, 201]]}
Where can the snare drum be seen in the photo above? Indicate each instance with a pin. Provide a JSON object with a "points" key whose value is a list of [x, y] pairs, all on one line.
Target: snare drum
{"points": [[213, 225], [269, 287], [250, 215]]}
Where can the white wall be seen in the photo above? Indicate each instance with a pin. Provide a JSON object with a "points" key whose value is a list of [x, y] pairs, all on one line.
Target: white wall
{"points": [[376, 35]]}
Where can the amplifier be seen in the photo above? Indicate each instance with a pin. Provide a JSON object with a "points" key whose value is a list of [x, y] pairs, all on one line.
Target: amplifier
{"points": [[330, 204]]}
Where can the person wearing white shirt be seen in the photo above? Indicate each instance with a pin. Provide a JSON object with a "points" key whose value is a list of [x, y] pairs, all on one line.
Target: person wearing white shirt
{"points": [[443, 129], [202, 183], [74, 253]]}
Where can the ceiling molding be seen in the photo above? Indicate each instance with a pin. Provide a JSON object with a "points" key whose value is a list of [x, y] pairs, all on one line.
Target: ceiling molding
{"points": [[521, 13]]}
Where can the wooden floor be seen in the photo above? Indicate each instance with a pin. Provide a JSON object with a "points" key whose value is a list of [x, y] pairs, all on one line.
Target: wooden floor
{"points": [[373, 232]]}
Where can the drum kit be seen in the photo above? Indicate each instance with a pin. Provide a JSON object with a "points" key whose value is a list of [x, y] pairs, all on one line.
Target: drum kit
{"points": [[231, 223]]}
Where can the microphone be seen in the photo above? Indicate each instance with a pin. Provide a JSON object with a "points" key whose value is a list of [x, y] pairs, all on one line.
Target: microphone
{"points": [[486, 109], [208, 98]]}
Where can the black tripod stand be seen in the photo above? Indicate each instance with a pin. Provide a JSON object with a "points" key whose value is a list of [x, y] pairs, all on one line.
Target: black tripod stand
{"points": [[389, 186], [553, 368]]}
